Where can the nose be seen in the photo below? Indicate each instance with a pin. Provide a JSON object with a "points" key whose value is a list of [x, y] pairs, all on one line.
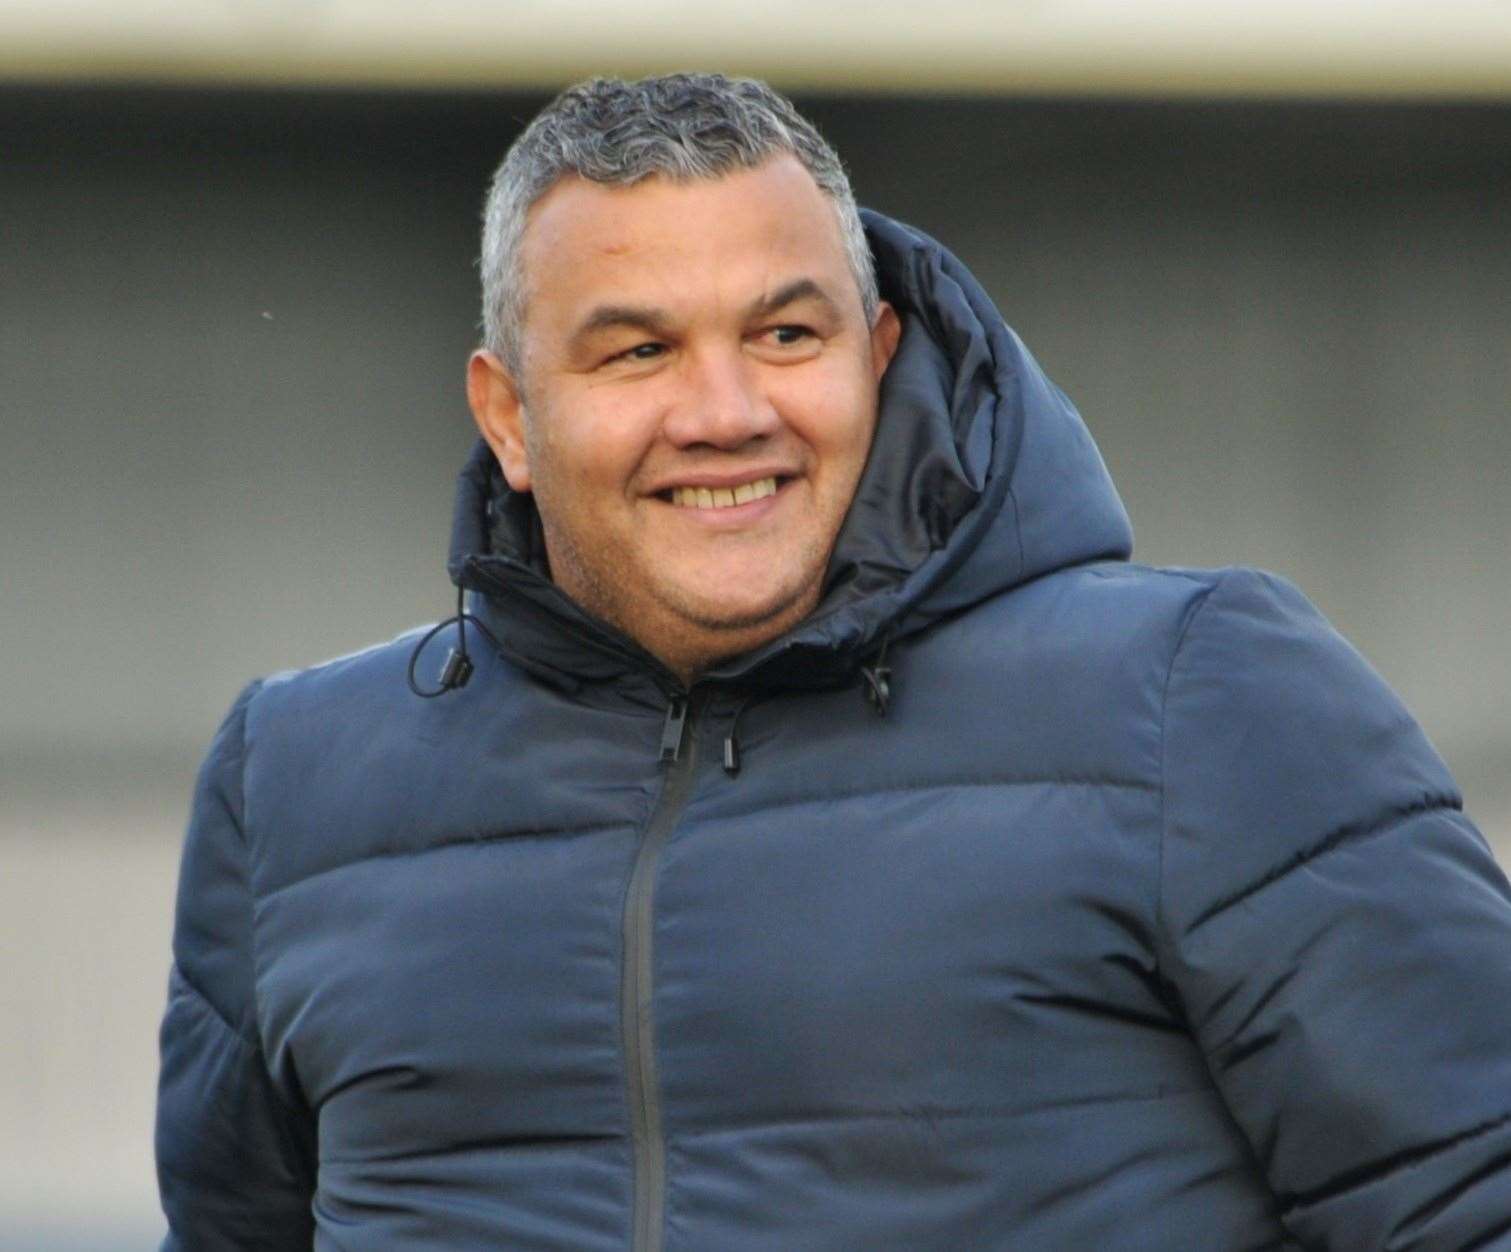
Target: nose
{"points": [[721, 403]]}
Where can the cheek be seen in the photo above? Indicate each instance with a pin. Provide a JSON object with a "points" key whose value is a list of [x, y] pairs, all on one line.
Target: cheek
{"points": [[834, 413], [582, 446], [841, 429]]}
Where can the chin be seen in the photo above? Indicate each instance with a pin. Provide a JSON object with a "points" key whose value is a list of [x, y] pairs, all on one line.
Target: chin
{"points": [[773, 607]]}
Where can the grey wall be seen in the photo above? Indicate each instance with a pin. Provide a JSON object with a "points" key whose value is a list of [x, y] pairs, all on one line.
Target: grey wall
{"points": [[232, 330]]}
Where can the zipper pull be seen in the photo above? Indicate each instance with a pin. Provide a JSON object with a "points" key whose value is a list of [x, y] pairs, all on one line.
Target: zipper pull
{"points": [[671, 732]]}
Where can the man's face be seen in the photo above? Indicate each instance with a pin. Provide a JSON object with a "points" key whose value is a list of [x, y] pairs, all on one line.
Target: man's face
{"points": [[697, 401]]}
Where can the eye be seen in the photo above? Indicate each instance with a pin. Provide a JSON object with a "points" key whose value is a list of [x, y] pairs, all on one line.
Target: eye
{"points": [[640, 352], [790, 335]]}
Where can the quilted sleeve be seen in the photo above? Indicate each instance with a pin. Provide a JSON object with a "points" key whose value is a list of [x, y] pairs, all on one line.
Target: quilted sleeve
{"points": [[235, 1147], [1337, 931]]}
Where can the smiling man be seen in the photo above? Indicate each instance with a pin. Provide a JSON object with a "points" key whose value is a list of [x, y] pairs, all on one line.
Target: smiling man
{"points": [[820, 836], [701, 367]]}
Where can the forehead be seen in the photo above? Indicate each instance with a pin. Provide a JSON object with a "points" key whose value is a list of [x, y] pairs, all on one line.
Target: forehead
{"points": [[681, 242]]}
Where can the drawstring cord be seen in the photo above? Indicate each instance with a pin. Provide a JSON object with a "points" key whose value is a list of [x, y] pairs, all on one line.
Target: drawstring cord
{"points": [[732, 740], [878, 692], [457, 667], [878, 678]]}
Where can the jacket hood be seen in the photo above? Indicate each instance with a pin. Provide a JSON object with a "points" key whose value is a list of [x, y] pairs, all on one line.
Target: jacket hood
{"points": [[981, 476]]}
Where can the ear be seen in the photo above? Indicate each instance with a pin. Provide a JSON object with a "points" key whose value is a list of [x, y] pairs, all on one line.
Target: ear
{"points": [[498, 410], [886, 330]]}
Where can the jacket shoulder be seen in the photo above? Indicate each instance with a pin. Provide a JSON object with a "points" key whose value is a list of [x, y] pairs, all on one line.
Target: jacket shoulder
{"points": [[339, 757], [1280, 741], [1101, 608], [1066, 672], [369, 670]]}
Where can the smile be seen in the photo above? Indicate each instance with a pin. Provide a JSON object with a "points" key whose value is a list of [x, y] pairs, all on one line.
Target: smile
{"points": [[723, 497]]}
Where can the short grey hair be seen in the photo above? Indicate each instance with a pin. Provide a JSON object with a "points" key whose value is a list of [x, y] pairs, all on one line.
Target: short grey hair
{"points": [[678, 126]]}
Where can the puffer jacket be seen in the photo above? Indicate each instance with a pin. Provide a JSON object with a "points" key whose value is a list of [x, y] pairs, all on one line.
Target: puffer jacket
{"points": [[1020, 898]]}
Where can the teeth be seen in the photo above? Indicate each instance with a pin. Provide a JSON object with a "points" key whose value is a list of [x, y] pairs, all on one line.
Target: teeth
{"points": [[723, 497]]}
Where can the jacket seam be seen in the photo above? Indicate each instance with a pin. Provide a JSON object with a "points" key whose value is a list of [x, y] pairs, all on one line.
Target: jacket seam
{"points": [[461, 841], [956, 784], [199, 994], [1203, 581], [238, 815], [1012, 498], [1365, 1175], [925, 1113], [1193, 610], [239, 819], [1335, 838], [1163, 939], [1109, 784]]}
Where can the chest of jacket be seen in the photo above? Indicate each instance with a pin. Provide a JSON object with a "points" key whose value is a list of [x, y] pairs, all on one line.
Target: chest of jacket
{"points": [[898, 957]]}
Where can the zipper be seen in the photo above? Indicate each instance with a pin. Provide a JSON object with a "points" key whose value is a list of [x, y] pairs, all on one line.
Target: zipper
{"points": [[679, 758]]}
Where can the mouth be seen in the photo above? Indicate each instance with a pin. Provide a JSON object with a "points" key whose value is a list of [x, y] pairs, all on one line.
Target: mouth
{"points": [[722, 497]]}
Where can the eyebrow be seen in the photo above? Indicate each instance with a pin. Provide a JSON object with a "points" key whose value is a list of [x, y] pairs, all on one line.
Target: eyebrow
{"points": [[797, 289], [608, 316], [658, 322]]}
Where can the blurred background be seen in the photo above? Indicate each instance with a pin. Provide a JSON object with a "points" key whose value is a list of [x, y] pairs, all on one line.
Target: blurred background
{"points": [[1266, 249]]}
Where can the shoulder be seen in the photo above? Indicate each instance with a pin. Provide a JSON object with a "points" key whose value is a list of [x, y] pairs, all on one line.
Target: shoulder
{"points": [[1280, 743], [1218, 635], [1111, 623], [1262, 685], [338, 759], [1067, 671], [283, 700], [320, 706], [1267, 737], [1112, 608], [1194, 681], [325, 711]]}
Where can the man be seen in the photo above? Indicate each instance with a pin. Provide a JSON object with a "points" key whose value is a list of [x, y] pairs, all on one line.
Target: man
{"points": [[822, 837]]}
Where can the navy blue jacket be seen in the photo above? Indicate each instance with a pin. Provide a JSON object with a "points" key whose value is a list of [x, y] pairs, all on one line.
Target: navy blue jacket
{"points": [[1145, 917]]}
